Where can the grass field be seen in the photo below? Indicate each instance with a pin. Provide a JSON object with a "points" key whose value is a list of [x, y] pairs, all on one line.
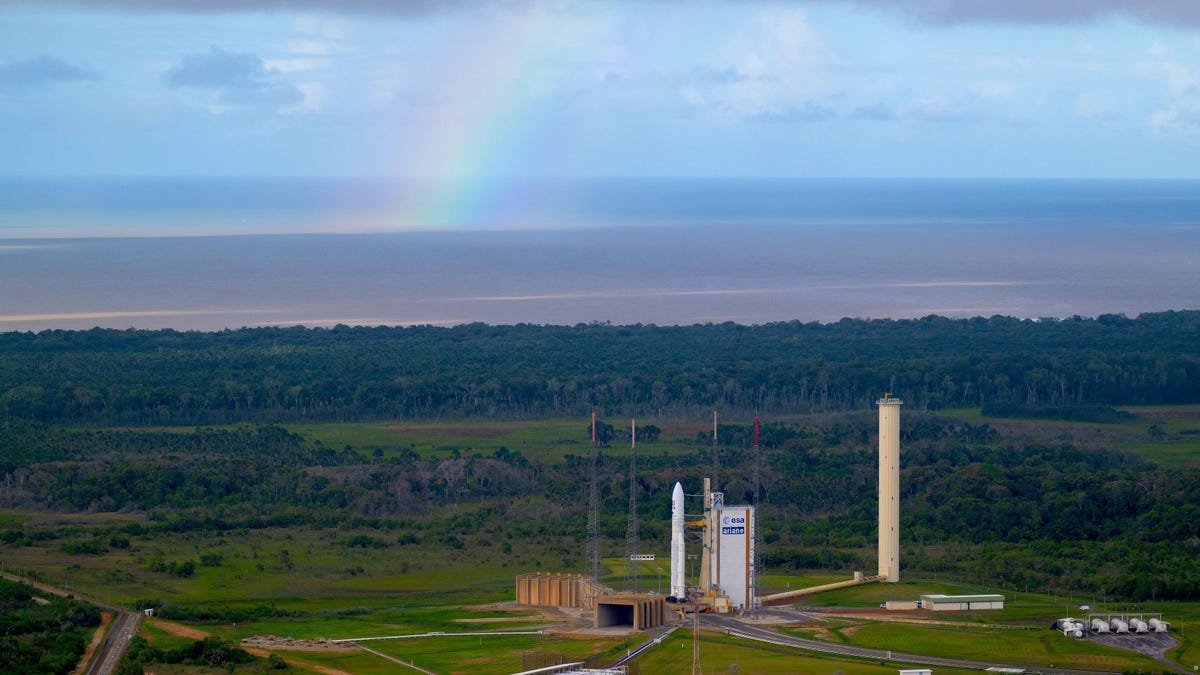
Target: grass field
{"points": [[544, 440], [719, 653], [1166, 435], [1030, 648]]}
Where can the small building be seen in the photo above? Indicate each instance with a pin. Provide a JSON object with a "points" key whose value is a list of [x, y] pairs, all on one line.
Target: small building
{"points": [[901, 605], [957, 603], [916, 671]]}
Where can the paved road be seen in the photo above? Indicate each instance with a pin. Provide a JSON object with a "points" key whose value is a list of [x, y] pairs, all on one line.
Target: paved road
{"points": [[116, 641], [124, 627], [738, 628]]}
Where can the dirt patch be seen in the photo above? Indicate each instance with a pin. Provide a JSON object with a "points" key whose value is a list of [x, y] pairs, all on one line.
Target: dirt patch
{"points": [[533, 613], [178, 629], [274, 642]]}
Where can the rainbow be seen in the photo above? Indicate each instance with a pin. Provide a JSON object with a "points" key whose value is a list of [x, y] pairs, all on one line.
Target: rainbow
{"points": [[485, 125]]}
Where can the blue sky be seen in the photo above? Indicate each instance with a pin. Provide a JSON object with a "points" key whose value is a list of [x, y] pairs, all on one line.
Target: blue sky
{"points": [[978, 88]]}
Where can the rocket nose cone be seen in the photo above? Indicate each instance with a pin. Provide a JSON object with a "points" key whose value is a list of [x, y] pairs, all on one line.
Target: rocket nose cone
{"points": [[678, 489]]}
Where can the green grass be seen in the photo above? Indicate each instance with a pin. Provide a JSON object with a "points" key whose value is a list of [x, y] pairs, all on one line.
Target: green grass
{"points": [[1179, 454], [719, 652], [489, 654], [1030, 648], [546, 440]]}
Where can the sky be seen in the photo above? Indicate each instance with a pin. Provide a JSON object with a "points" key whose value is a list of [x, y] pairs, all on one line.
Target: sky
{"points": [[555, 88]]}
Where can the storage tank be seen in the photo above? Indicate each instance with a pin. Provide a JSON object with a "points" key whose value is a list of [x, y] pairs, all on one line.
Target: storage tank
{"points": [[1100, 626], [1120, 626], [1139, 626], [1070, 627], [1159, 626]]}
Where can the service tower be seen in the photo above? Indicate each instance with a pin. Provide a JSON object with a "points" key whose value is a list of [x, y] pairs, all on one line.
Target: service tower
{"points": [[889, 487]]}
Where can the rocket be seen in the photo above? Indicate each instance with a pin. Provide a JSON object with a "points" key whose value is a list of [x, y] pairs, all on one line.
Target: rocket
{"points": [[678, 555]]}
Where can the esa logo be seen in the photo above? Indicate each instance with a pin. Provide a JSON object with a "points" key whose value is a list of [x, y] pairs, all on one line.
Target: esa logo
{"points": [[733, 520]]}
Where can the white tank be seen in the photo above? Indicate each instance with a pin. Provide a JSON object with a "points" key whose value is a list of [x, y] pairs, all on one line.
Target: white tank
{"points": [[1070, 627], [1100, 626], [1120, 626], [1159, 626], [1139, 626]]}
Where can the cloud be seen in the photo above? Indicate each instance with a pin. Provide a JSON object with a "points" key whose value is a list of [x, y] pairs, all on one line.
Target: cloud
{"points": [[877, 112], [41, 70], [809, 112], [1172, 13], [375, 7], [239, 79], [727, 75]]}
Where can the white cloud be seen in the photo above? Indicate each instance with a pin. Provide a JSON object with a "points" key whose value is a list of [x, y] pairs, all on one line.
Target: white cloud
{"points": [[774, 68], [992, 88], [1180, 106], [1096, 106]]}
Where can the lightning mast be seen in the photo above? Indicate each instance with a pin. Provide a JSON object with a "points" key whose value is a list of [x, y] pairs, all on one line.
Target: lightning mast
{"points": [[631, 529], [714, 451], [592, 564], [751, 598]]}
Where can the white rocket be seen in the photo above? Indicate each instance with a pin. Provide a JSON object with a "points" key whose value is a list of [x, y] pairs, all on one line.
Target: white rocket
{"points": [[678, 555]]}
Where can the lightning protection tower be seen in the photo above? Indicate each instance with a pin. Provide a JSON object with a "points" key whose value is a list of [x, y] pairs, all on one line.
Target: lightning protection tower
{"points": [[631, 529], [592, 564], [756, 561], [714, 451]]}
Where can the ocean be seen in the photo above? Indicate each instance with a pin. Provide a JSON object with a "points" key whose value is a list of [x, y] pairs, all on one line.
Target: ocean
{"points": [[215, 253]]}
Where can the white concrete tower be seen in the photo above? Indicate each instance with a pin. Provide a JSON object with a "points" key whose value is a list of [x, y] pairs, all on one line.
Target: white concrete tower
{"points": [[889, 487]]}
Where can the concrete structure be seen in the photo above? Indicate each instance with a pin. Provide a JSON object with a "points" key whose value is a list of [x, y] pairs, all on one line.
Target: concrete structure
{"points": [[900, 605], [556, 590], [917, 671], [791, 597], [951, 603], [733, 554], [889, 488], [639, 612]]}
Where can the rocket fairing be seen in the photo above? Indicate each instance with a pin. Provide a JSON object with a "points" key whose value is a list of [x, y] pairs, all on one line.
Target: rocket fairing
{"points": [[678, 555]]}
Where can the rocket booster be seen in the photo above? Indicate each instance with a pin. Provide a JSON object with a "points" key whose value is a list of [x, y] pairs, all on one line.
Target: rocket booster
{"points": [[678, 555]]}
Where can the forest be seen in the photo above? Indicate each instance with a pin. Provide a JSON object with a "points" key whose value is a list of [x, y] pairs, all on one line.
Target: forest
{"points": [[177, 433], [131, 377], [42, 635], [978, 505]]}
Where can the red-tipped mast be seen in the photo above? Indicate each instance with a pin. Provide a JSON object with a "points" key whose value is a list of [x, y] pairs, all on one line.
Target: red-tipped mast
{"points": [[756, 429], [632, 433]]}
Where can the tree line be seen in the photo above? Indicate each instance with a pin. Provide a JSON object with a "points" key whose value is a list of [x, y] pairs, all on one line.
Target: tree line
{"points": [[106, 377]]}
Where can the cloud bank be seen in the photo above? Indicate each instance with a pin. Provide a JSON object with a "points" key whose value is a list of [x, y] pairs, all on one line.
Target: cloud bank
{"points": [[1177, 13], [1174, 13], [41, 70], [240, 79]]}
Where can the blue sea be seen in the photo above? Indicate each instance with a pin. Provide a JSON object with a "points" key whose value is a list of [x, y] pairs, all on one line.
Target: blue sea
{"points": [[214, 253]]}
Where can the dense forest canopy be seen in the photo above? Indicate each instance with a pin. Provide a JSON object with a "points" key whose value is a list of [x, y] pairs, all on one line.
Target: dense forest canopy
{"points": [[165, 377]]}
